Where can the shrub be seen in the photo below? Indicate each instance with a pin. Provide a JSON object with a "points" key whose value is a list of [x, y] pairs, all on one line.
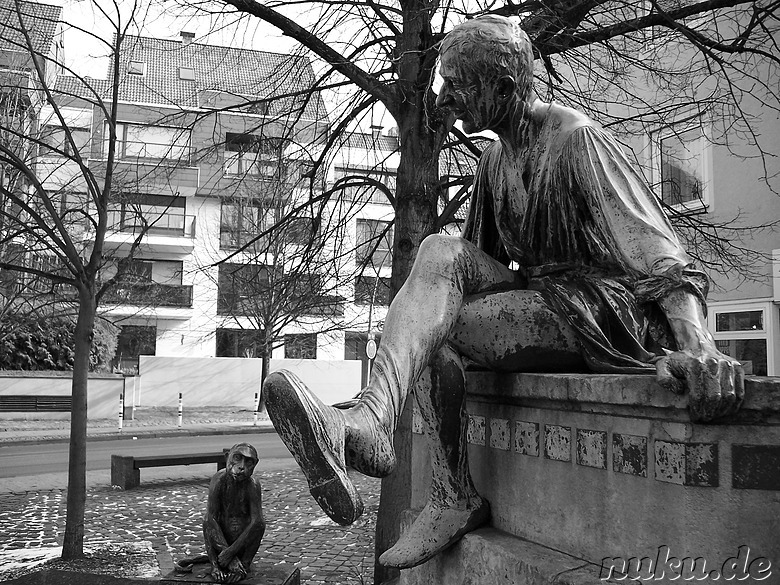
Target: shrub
{"points": [[46, 343]]}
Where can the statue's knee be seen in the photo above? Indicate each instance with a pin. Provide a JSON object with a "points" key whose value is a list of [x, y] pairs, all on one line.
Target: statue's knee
{"points": [[439, 252]]}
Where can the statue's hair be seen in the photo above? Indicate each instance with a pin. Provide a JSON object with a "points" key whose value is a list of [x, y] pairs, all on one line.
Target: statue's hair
{"points": [[493, 46], [248, 447]]}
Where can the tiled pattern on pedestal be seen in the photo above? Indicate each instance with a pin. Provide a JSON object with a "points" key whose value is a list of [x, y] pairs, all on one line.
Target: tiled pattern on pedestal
{"points": [[675, 462]]}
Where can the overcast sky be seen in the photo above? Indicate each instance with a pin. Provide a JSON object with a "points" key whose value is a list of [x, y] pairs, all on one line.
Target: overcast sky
{"points": [[88, 56]]}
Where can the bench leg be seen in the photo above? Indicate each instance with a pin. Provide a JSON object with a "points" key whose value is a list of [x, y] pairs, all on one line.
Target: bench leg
{"points": [[122, 472]]}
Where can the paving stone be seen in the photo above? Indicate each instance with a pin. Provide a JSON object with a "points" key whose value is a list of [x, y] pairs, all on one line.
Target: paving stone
{"points": [[170, 514]]}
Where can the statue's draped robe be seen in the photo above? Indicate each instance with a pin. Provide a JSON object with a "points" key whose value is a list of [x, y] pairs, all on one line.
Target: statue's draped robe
{"points": [[585, 229]]}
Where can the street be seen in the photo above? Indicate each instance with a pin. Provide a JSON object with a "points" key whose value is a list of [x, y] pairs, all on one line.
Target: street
{"points": [[28, 459]]}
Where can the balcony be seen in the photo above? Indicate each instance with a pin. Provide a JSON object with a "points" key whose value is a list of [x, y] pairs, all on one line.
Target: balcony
{"points": [[153, 299], [150, 174], [163, 232]]}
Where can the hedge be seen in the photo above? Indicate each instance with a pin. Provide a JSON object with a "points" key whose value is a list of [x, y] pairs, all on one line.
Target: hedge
{"points": [[47, 344]]}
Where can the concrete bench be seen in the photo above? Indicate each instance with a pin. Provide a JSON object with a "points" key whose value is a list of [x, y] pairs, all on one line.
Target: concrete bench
{"points": [[126, 469]]}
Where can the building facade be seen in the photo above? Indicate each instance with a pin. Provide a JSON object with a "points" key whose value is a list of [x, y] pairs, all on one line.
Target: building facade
{"points": [[213, 147]]}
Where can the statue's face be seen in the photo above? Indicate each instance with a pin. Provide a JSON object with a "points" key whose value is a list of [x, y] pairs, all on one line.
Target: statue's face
{"points": [[472, 100], [240, 464]]}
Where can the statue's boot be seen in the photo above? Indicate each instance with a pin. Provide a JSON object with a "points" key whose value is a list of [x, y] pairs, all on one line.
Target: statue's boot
{"points": [[454, 507], [324, 440], [437, 527]]}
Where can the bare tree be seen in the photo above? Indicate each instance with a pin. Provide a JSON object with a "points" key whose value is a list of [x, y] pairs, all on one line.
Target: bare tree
{"points": [[57, 200], [385, 53]]}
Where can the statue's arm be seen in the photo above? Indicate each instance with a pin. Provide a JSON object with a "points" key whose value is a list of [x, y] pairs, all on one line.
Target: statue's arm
{"points": [[644, 242], [215, 539], [715, 382], [255, 526]]}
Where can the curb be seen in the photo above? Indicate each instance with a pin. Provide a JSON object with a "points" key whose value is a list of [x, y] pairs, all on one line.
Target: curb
{"points": [[151, 434]]}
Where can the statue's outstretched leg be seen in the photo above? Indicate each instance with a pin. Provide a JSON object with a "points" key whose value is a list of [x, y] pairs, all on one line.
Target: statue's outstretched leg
{"points": [[454, 507], [323, 439]]}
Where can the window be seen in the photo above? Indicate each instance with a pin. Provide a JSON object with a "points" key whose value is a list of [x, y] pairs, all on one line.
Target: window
{"points": [[146, 282], [187, 73], [740, 321], [157, 214], [681, 155], [241, 220], [257, 107], [134, 341], [300, 230], [149, 142], [244, 343], [742, 332], [368, 288], [242, 288], [300, 346], [57, 143], [136, 68], [374, 242], [250, 154]]}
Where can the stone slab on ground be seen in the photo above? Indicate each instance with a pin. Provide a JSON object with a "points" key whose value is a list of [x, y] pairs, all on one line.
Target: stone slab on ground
{"points": [[58, 577], [262, 573]]}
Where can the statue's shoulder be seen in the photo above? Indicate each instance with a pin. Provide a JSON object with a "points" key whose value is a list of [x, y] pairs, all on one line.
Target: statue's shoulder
{"points": [[568, 120]]}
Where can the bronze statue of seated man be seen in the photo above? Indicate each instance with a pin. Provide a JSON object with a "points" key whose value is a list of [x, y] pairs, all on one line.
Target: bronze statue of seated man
{"points": [[599, 282]]}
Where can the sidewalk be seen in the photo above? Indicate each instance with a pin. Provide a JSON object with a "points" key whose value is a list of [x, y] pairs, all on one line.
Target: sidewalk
{"points": [[147, 422], [165, 512]]}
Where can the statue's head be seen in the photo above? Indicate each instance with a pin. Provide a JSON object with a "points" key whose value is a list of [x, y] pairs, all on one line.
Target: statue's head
{"points": [[486, 64], [241, 461]]}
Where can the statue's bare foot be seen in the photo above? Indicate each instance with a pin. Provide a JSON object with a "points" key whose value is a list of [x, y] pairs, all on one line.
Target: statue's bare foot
{"points": [[315, 435], [435, 529]]}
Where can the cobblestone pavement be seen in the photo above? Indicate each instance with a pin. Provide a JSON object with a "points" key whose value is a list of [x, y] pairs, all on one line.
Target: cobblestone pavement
{"points": [[168, 512]]}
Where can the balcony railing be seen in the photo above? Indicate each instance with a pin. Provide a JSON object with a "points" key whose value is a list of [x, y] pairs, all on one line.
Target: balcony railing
{"points": [[160, 224], [150, 152], [152, 294]]}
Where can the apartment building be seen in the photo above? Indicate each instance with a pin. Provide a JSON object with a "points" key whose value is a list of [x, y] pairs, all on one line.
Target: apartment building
{"points": [[213, 145]]}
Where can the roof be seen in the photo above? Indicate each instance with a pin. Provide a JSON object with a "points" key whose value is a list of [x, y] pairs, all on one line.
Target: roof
{"points": [[39, 20], [222, 70], [370, 141], [69, 86]]}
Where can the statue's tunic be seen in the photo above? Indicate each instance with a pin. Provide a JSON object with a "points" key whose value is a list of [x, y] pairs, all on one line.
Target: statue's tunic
{"points": [[585, 229]]}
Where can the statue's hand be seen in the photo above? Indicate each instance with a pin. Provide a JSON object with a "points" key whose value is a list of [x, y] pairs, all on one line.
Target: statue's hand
{"points": [[236, 571], [715, 382]]}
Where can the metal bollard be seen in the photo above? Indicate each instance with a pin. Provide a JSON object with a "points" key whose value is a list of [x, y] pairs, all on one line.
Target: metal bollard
{"points": [[121, 410], [257, 403], [180, 410]]}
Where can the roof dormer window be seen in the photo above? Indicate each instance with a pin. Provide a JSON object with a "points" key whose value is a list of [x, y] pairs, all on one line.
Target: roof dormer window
{"points": [[136, 68], [187, 73]]}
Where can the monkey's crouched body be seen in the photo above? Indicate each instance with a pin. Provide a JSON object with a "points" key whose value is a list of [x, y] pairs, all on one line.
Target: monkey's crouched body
{"points": [[233, 525]]}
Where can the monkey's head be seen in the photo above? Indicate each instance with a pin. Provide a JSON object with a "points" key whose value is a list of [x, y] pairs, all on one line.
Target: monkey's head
{"points": [[241, 461]]}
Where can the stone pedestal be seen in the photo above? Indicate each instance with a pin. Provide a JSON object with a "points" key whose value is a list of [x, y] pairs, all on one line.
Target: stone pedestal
{"points": [[608, 473], [262, 573]]}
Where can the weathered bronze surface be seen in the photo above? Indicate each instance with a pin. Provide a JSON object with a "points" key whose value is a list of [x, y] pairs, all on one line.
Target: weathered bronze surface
{"points": [[599, 282], [233, 525]]}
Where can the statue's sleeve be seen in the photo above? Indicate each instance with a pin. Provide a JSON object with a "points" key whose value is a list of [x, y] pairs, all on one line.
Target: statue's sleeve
{"points": [[626, 211], [480, 225]]}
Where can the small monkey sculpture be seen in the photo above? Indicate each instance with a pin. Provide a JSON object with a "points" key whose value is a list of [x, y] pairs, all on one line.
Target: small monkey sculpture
{"points": [[233, 525]]}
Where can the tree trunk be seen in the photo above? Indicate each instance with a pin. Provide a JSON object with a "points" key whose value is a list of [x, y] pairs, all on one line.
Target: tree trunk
{"points": [[420, 139], [73, 543]]}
